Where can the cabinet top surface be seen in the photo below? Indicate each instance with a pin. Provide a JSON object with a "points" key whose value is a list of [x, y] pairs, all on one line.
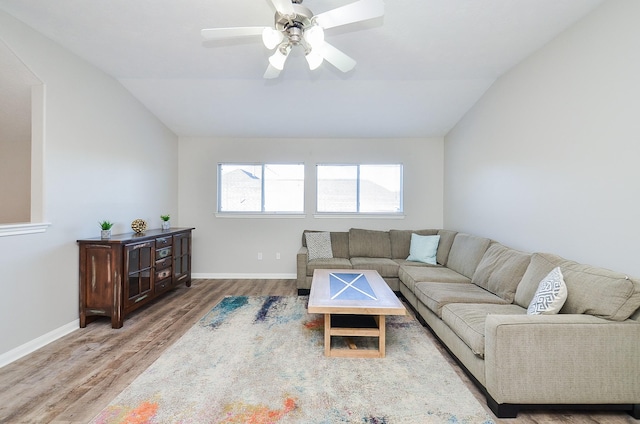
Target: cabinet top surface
{"points": [[129, 237]]}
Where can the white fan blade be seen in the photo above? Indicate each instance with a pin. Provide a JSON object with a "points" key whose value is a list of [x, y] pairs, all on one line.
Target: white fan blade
{"points": [[236, 32], [271, 72], [355, 12], [285, 7], [337, 58]]}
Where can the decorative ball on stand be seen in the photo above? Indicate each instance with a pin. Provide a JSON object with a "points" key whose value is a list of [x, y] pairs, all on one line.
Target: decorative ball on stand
{"points": [[139, 225]]}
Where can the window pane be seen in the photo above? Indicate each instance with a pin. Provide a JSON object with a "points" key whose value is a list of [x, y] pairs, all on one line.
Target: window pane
{"points": [[240, 188], [284, 188], [337, 188], [359, 188], [380, 187]]}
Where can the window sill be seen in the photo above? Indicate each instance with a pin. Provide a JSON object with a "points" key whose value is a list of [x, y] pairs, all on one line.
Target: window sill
{"points": [[261, 215], [358, 216], [23, 228]]}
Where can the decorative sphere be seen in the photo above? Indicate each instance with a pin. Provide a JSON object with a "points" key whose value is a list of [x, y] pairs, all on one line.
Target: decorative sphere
{"points": [[139, 225]]}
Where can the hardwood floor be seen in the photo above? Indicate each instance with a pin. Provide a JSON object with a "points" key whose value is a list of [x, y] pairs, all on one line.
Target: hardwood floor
{"points": [[75, 377]]}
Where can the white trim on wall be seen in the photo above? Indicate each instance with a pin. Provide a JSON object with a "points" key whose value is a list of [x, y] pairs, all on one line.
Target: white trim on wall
{"points": [[234, 276], [35, 344], [23, 228]]}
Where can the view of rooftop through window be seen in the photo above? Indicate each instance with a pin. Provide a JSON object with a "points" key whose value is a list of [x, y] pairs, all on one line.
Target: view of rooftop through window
{"points": [[261, 188], [279, 188], [359, 188]]}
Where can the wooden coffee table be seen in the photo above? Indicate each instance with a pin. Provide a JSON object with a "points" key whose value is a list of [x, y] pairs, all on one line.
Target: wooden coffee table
{"points": [[351, 296]]}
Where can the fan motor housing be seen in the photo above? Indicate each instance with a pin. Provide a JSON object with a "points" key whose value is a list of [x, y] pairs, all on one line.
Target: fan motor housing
{"points": [[301, 19]]}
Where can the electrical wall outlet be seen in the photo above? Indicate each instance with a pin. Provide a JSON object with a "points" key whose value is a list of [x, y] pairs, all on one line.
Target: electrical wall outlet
{"points": [[259, 256], [277, 255]]}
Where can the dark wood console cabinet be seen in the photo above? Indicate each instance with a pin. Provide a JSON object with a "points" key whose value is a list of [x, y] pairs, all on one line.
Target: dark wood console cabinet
{"points": [[120, 274]]}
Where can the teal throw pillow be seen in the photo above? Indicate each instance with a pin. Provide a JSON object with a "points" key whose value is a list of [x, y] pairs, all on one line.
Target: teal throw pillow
{"points": [[423, 249]]}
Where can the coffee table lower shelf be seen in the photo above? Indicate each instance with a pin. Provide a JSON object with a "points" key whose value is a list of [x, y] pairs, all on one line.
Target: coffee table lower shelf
{"points": [[357, 330]]}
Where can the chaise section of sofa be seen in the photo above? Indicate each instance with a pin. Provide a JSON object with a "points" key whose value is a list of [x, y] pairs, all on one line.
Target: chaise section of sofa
{"points": [[587, 355]]}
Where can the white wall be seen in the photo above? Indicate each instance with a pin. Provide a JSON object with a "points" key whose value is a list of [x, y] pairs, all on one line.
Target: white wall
{"points": [[106, 157], [229, 247], [547, 160]]}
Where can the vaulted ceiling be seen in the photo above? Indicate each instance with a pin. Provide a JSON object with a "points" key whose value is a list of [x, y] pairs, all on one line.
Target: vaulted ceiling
{"points": [[419, 68]]}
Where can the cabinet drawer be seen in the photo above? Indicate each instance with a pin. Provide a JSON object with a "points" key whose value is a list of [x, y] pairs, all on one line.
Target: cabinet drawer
{"points": [[163, 285], [163, 263], [163, 273], [165, 252], [163, 241]]}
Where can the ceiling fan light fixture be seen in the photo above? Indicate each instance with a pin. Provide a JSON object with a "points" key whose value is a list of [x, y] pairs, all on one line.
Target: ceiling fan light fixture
{"points": [[279, 57], [314, 59], [314, 36], [271, 38]]}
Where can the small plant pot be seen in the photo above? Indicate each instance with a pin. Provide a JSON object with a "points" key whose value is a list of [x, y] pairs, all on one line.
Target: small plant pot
{"points": [[105, 234], [166, 225]]}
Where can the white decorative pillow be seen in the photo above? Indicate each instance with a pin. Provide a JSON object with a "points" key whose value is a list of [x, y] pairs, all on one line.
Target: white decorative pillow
{"points": [[550, 296], [319, 245], [423, 249]]}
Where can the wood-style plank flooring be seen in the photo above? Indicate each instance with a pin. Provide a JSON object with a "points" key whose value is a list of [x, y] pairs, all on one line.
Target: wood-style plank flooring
{"points": [[72, 379]]}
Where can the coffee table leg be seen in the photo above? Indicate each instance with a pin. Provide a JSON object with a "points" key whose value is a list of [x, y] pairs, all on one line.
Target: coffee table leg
{"points": [[327, 334], [382, 339]]}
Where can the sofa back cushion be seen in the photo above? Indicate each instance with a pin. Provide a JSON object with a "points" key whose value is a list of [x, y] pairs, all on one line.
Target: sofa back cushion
{"points": [[466, 253], [444, 247], [339, 243], [401, 241], [369, 244], [501, 270], [593, 291]]}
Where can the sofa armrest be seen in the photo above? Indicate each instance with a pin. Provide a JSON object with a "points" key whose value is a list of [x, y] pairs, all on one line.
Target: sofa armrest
{"points": [[565, 358], [302, 258]]}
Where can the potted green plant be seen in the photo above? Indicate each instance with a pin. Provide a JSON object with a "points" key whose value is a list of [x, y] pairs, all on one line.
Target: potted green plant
{"points": [[166, 223], [106, 229]]}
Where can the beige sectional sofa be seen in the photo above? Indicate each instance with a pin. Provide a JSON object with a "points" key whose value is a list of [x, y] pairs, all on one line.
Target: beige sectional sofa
{"points": [[475, 301]]}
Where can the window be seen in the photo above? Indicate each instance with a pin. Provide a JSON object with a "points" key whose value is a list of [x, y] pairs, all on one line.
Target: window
{"points": [[359, 188], [263, 188]]}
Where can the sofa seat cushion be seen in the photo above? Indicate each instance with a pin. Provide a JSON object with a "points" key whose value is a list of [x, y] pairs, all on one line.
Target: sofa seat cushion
{"points": [[333, 263], [500, 270], [467, 321], [410, 275], [436, 295], [385, 267], [590, 290], [416, 264]]}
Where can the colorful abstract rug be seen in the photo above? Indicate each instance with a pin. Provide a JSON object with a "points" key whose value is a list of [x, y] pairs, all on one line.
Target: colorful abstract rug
{"points": [[261, 360]]}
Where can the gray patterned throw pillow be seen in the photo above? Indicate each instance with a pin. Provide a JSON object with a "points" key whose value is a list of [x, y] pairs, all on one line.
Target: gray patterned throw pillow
{"points": [[319, 245], [550, 296]]}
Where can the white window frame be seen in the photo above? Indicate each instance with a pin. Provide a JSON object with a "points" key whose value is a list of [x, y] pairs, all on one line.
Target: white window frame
{"points": [[262, 213], [386, 214]]}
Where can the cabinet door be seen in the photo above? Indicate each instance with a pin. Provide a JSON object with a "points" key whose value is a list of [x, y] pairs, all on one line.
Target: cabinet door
{"points": [[181, 258], [138, 271]]}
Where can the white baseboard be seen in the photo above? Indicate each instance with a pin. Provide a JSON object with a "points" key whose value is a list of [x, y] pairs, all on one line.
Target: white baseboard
{"points": [[205, 275], [35, 344]]}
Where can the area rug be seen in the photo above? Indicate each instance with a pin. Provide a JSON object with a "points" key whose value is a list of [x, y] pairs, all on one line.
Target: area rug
{"points": [[261, 360]]}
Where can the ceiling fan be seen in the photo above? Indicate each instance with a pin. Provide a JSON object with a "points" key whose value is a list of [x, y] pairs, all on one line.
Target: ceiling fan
{"points": [[295, 25]]}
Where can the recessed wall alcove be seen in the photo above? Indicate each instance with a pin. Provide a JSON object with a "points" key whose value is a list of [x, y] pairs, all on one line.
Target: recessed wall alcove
{"points": [[21, 146]]}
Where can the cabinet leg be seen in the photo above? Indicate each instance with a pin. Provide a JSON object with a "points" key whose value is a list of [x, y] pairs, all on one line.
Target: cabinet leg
{"points": [[116, 323]]}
